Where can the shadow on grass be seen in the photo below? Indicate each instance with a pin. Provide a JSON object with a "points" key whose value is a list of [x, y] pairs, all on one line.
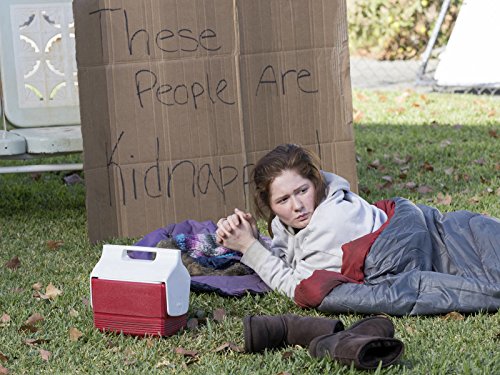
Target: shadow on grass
{"points": [[407, 160], [446, 158], [46, 195]]}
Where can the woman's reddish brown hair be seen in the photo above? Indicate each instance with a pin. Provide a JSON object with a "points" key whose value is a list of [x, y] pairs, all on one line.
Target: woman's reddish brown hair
{"points": [[282, 158]]}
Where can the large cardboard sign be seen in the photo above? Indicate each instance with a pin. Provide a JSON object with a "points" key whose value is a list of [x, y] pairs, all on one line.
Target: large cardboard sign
{"points": [[179, 99]]}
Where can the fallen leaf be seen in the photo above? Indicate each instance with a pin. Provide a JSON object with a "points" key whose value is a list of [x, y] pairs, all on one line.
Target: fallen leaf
{"points": [[410, 329], [387, 178], [13, 263], [17, 290], [219, 315], [38, 295], [286, 355], [497, 167], [360, 96], [444, 199], [410, 185], [365, 190], [445, 143], [192, 323], [387, 186], [492, 113], [73, 313], [415, 105], [45, 354], [189, 361], [73, 179], [284, 373], [498, 192], [129, 361], [110, 344], [358, 116], [449, 171], [427, 166], [425, 99], [229, 345], [402, 98], [52, 292], [3, 370], [453, 316], [480, 161], [54, 245], [185, 352], [401, 161], [74, 334], [424, 189], [165, 363], [5, 319], [382, 98], [28, 328], [130, 357], [35, 176], [493, 133], [33, 342], [3, 357], [474, 200], [375, 164], [150, 342], [484, 180], [33, 319], [398, 110], [37, 286], [85, 301], [200, 314]]}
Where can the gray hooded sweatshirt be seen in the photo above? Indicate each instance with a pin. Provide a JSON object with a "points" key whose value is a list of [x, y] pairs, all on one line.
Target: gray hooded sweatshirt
{"points": [[341, 217]]}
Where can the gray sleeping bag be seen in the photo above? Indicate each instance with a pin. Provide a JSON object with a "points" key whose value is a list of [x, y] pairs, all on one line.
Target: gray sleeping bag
{"points": [[426, 262]]}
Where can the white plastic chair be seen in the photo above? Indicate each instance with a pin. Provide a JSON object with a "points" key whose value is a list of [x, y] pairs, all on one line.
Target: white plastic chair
{"points": [[38, 83]]}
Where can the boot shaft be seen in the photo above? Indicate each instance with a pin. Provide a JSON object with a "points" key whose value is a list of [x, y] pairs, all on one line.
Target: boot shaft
{"points": [[267, 332]]}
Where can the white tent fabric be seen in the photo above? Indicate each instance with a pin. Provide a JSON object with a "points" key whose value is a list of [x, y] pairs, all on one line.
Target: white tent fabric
{"points": [[472, 55]]}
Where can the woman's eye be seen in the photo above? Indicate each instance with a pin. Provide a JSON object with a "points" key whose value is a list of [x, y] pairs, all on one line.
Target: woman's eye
{"points": [[304, 190], [282, 200]]}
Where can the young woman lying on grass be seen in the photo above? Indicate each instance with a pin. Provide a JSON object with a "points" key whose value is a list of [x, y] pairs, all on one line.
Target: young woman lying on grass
{"points": [[333, 250]]}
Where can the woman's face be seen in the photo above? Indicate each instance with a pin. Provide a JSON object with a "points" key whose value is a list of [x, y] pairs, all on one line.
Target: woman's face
{"points": [[292, 199]]}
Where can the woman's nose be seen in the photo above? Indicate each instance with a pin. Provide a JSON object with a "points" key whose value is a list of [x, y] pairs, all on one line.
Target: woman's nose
{"points": [[297, 204]]}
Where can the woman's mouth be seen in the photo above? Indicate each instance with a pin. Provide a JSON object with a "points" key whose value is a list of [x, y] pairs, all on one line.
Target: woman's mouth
{"points": [[302, 217]]}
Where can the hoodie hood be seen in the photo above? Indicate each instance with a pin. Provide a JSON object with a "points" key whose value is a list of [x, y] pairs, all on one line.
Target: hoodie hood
{"points": [[334, 183]]}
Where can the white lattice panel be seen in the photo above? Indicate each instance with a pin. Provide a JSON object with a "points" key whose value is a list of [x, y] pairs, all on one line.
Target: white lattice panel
{"points": [[44, 49]]}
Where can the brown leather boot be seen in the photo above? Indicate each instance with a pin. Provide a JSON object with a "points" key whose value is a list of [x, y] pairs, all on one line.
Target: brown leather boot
{"points": [[366, 343], [267, 332], [373, 326]]}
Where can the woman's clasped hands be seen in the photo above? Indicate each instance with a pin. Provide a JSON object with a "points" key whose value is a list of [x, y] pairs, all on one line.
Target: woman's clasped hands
{"points": [[237, 231]]}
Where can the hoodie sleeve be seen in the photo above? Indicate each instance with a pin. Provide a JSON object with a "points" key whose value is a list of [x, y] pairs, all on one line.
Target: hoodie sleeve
{"points": [[273, 268], [341, 219]]}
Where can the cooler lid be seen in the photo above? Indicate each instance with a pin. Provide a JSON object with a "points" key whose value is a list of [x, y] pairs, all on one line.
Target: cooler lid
{"points": [[166, 267]]}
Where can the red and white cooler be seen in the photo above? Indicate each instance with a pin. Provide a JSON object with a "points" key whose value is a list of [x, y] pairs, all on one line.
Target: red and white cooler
{"points": [[137, 296]]}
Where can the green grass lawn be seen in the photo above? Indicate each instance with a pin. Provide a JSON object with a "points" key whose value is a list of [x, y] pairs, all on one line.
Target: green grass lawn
{"points": [[436, 149]]}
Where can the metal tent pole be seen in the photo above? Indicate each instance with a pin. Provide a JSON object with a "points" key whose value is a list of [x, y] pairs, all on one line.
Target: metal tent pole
{"points": [[430, 45]]}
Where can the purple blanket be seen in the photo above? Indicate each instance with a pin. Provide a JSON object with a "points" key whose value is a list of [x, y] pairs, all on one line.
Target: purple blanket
{"points": [[223, 285]]}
